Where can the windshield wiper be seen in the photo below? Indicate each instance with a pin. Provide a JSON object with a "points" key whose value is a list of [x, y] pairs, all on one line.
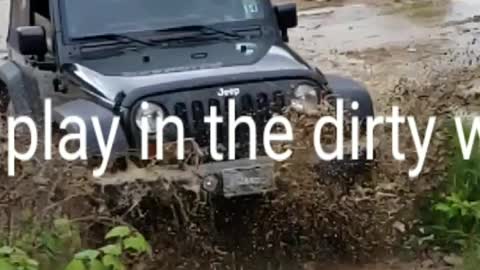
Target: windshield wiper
{"points": [[115, 37], [203, 29]]}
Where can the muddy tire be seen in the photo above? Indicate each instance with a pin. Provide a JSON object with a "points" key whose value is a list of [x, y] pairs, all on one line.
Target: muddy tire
{"points": [[226, 214], [347, 173], [5, 101], [217, 218]]}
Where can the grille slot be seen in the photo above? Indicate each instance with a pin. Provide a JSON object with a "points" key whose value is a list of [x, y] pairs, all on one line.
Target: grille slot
{"points": [[180, 110], [199, 126], [247, 107], [215, 103], [278, 102]]}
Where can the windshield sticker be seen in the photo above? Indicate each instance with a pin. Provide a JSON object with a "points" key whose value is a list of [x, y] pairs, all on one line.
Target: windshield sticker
{"points": [[251, 8]]}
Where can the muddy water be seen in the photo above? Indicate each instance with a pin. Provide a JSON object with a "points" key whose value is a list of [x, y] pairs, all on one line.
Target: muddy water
{"points": [[377, 42], [361, 26]]}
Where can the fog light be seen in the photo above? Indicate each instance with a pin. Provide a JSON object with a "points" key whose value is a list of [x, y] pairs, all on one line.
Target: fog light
{"points": [[210, 184]]}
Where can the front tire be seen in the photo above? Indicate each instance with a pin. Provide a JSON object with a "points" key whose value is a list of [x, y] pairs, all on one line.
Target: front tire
{"points": [[5, 101]]}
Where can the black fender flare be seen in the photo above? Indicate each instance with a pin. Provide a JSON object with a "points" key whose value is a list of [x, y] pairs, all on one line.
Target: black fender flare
{"points": [[12, 76], [350, 90], [85, 110]]}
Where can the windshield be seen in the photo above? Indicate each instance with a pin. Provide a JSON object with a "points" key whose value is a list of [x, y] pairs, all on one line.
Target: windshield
{"points": [[85, 18]]}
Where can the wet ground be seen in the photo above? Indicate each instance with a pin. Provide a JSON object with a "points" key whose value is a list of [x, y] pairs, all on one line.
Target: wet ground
{"points": [[378, 42]]}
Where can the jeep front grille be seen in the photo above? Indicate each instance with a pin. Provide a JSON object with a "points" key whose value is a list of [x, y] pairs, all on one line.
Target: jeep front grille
{"points": [[260, 107], [258, 100]]}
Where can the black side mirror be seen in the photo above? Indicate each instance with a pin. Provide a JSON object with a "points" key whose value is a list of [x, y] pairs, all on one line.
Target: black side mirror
{"points": [[287, 18], [32, 41]]}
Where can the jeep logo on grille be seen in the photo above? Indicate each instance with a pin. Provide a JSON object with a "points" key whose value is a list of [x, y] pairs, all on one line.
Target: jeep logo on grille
{"points": [[228, 92]]}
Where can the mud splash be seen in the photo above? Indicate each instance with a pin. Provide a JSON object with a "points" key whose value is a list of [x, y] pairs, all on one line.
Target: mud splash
{"points": [[315, 217]]}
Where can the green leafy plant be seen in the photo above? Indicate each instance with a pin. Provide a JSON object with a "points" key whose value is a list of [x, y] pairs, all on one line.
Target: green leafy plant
{"points": [[452, 218], [16, 259], [471, 258], [56, 247], [50, 244], [125, 243], [451, 221]]}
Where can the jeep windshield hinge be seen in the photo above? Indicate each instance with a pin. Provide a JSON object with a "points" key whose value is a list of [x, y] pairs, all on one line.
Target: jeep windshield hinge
{"points": [[46, 66], [59, 87], [118, 101]]}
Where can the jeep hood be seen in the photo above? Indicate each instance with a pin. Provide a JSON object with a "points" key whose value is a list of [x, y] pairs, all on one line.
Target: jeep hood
{"points": [[277, 61]]}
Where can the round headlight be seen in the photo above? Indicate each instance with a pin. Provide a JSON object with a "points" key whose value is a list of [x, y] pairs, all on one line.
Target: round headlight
{"points": [[150, 112], [305, 98]]}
